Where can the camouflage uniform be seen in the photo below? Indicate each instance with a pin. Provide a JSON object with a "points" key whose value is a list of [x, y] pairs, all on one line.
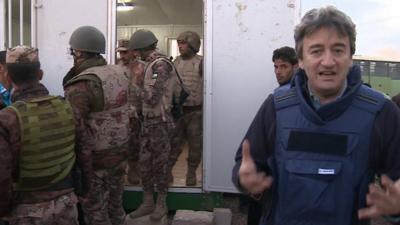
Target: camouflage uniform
{"points": [[160, 80], [61, 210], [136, 71], [189, 126], [35, 198], [159, 83], [100, 93]]}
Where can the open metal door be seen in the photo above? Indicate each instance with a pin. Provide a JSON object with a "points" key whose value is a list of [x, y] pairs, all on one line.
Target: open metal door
{"points": [[240, 37], [53, 23]]}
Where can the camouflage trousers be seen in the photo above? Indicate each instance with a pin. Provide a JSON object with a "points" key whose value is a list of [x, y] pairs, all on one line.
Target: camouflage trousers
{"points": [[103, 205], [189, 128], [60, 211], [134, 144], [154, 153]]}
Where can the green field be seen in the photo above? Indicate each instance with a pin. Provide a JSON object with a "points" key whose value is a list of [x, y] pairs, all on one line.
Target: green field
{"points": [[383, 76]]}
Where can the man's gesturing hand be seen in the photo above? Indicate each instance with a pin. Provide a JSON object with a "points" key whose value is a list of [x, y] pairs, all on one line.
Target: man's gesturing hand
{"points": [[251, 180]]}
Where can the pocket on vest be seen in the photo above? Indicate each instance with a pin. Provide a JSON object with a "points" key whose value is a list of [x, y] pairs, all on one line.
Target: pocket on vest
{"points": [[308, 191]]}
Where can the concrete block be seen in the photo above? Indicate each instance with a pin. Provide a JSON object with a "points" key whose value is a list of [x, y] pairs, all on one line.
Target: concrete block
{"points": [[189, 217], [222, 216], [145, 220]]}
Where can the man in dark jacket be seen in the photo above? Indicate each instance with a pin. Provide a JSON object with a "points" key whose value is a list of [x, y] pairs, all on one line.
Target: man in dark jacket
{"points": [[396, 99], [316, 147], [285, 65]]}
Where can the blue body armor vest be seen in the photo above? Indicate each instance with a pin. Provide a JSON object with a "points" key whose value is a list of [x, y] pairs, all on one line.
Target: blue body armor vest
{"points": [[282, 88], [321, 167]]}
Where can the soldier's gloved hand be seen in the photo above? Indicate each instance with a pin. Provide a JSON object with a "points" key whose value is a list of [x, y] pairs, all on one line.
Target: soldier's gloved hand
{"points": [[250, 179], [384, 201]]}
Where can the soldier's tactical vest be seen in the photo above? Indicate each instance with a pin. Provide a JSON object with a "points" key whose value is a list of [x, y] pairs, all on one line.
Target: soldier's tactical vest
{"points": [[111, 126], [189, 70], [163, 107], [320, 167], [47, 152]]}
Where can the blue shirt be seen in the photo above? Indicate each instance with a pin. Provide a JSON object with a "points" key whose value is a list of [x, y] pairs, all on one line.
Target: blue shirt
{"points": [[5, 95]]}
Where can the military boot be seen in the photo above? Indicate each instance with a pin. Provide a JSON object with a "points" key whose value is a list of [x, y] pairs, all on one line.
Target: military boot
{"points": [[145, 208], [161, 207], [133, 177], [191, 176]]}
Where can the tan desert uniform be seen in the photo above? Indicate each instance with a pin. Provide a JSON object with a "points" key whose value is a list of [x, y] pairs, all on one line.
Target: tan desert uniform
{"points": [[189, 127]]}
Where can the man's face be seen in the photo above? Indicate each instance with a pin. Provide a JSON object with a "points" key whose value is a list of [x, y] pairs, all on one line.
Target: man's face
{"points": [[77, 55], [284, 71], [134, 54], [184, 48], [326, 61], [125, 56]]}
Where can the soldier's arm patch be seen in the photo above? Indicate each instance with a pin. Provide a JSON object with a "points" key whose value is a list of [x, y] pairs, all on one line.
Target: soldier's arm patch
{"points": [[163, 69]]}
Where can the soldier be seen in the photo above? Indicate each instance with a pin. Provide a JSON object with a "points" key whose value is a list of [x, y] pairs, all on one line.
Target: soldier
{"points": [[38, 133], [189, 127], [5, 86], [135, 70], [125, 56], [160, 80], [100, 92]]}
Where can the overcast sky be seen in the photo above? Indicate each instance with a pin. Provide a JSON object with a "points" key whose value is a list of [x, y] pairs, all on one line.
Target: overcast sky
{"points": [[377, 23]]}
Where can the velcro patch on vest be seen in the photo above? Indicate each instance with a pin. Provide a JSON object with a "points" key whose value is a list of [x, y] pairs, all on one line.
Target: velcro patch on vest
{"points": [[326, 171], [304, 141]]}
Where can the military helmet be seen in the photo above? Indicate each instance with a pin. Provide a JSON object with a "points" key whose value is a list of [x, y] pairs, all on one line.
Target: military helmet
{"points": [[142, 38], [88, 39], [192, 38]]}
